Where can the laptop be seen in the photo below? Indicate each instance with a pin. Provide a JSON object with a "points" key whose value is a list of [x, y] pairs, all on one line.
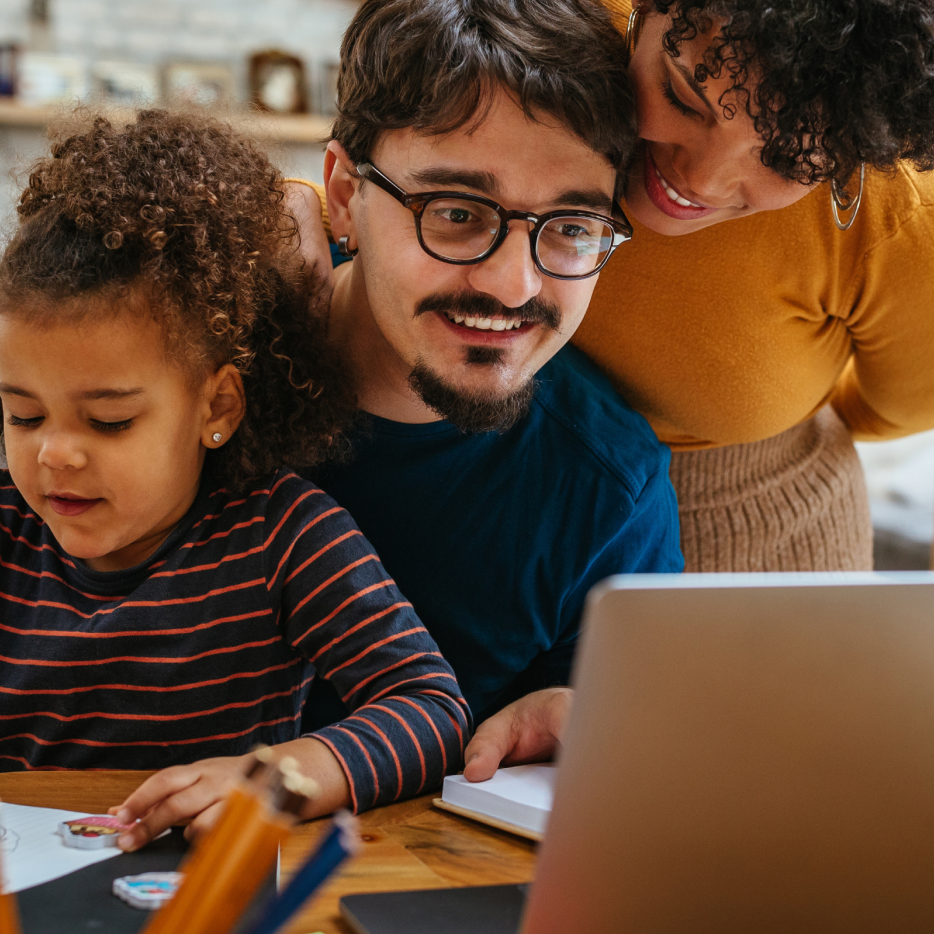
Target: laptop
{"points": [[746, 753]]}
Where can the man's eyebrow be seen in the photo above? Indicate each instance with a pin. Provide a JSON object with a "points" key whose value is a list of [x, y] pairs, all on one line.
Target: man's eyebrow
{"points": [[591, 198], [695, 87], [484, 182]]}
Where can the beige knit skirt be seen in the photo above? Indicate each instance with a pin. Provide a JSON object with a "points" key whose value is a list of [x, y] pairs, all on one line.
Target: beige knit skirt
{"points": [[795, 502]]}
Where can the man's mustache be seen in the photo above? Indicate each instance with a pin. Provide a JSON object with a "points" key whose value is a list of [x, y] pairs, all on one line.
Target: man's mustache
{"points": [[478, 305]]}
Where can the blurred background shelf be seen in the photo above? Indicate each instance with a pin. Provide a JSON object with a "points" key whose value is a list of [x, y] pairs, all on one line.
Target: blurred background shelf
{"points": [[308, 129]]}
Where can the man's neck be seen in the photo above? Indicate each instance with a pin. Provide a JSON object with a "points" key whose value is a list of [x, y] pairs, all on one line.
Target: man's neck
{"points": [[381, 378]]}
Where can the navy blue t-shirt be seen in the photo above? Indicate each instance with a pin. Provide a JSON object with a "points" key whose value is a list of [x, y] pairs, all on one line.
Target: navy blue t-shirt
{"points": [[496, 539]]}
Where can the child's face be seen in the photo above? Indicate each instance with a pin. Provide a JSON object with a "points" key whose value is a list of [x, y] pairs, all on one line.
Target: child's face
{"points": [[103, 434]]}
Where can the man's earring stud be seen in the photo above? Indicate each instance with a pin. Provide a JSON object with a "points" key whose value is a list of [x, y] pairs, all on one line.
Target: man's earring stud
{"points": [[344, 249], [217, 437]]}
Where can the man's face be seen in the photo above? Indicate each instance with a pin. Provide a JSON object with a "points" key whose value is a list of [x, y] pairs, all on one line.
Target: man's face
{"points": [[470, 338]]}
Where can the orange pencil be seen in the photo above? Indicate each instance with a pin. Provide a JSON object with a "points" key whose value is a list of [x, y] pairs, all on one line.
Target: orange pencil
{"points": [[222, 897], [232, 862], [241, 808], [212, 849], [228, 892], [9, 915]]}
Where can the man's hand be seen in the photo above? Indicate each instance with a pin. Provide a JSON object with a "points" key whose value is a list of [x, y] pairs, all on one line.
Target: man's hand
{"points": [[312, 247], [183, 792], [528, 730]]}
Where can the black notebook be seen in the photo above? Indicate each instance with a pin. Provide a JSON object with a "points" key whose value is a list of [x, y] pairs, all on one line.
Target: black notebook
{"points": [[491, 909], [83, 901]]}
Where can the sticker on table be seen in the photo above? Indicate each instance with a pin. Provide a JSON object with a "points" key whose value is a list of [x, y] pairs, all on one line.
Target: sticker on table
{"points": [[92, 833], [148, 891]]}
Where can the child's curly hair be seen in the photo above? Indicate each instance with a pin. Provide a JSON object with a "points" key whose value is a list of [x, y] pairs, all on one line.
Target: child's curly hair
{"points": [[185, 214]]}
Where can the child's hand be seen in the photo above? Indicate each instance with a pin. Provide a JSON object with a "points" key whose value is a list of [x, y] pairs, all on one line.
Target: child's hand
{"points": [[181, 793]]}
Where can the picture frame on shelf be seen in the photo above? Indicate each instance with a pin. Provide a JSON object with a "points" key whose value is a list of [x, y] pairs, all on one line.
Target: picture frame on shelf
{"points": [[204, 84], [328, 72], [278, 82]]}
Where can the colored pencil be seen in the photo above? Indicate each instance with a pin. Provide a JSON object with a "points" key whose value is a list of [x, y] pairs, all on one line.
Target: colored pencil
{"points": [[341, 841]]}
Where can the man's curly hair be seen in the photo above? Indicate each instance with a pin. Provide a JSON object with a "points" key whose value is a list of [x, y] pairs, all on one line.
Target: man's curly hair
{"points": [[179, 217], [829, 84]]}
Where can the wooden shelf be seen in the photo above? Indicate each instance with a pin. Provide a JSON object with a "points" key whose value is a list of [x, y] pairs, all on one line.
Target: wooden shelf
{"points": [[278, 128]]}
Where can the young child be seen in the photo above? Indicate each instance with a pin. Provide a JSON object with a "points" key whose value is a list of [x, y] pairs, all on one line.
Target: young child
{"points": [[167, 591]]}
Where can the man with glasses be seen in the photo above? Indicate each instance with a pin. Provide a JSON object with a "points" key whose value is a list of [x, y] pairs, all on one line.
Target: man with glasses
{"points": [[499, 476]]}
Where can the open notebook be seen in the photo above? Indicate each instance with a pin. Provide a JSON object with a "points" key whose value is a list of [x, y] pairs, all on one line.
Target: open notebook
{"points": [[517, 799]]}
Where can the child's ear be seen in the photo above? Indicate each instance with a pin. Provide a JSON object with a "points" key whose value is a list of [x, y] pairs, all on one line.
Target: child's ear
{"points": [[226, 402], [339, 179]]}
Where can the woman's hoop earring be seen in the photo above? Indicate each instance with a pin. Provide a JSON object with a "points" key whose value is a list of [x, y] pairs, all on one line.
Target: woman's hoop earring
{"points": [[344, 249], [634, 30], [841, 201]]}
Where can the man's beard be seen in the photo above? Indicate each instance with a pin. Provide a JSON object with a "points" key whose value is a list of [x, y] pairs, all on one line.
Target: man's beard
{"points": [[473, 411]]}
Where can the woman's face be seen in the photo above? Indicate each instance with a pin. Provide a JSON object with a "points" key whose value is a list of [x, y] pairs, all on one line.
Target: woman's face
{"points": [[697, 168]]}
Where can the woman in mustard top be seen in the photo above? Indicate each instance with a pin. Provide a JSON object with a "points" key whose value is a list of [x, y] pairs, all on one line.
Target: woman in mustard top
{"points": [[757, 336], [777, 298]]}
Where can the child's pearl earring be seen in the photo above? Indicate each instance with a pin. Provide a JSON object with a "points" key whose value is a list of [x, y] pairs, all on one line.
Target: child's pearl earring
{"points": [[218, 437]]}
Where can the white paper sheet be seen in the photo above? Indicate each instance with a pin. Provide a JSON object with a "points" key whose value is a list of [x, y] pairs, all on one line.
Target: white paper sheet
{"points": [[32, 851]]}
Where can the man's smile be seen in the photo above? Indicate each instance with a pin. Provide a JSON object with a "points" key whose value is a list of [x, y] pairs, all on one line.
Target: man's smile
{"points": [[486, 324], [499, 332]]}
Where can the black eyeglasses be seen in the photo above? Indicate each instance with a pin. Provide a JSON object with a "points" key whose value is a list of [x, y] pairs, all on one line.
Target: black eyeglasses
{"points": [[463, 229]]}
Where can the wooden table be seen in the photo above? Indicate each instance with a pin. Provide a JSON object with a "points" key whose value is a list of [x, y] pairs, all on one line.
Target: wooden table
{"points": [[406, 846]]}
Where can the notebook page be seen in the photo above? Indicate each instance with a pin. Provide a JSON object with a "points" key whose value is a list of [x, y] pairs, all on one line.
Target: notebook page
{"points": [[32, 851]]}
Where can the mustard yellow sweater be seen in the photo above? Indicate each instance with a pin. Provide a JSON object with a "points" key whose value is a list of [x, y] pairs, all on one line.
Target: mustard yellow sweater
{"points": [[740, 331]]}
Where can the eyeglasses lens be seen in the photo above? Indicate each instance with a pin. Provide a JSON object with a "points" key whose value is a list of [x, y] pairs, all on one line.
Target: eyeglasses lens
{"points": [[459, 230], [574, 246], [465, 230]]}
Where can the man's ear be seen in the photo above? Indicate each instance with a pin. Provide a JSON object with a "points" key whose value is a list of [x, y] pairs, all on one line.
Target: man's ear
{"points": [[339, 182], [339, 178], [226, 406]]}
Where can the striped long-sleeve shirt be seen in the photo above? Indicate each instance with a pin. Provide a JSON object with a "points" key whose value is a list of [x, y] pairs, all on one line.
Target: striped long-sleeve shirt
{"points": [[211, 645]]}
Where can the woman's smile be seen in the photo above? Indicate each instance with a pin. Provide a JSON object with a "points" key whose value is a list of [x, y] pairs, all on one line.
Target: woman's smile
{"points": [[666, 197]]}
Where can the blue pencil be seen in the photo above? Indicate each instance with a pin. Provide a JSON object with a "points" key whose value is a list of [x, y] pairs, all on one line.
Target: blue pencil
{"points": [[341, 841]]}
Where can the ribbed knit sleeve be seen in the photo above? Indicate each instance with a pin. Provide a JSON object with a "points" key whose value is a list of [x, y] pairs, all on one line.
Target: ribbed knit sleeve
{"points": [[620, 11], [887, 387], [341, 610], [322, 197]]}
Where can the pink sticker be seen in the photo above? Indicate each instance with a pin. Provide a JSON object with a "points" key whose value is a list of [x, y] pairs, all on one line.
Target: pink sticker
{"points": [[91, 832]]}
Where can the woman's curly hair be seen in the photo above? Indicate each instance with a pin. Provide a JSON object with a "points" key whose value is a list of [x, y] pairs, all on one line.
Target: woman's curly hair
{"points": [[829, 84], [179, 217]]}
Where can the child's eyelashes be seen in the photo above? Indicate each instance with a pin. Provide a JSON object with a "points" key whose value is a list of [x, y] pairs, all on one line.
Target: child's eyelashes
{"points": [[112, 426], [17, 422], [24, 422]]}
